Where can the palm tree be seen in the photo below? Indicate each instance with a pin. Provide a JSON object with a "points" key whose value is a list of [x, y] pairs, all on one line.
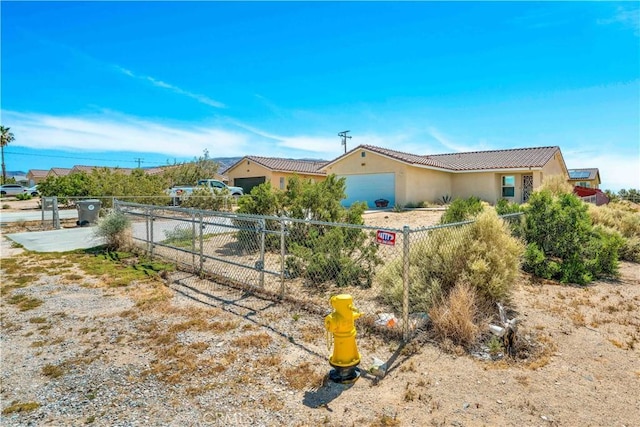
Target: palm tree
{"points": [[5, 138]]}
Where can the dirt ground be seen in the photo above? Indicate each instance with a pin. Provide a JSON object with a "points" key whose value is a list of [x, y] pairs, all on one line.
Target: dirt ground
{"points": [[181, 351]]}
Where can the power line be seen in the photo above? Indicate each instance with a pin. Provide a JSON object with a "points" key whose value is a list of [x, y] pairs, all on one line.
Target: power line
{"points": [[138, 160]]}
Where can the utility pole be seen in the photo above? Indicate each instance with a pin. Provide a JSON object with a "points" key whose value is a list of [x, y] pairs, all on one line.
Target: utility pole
{"points": [[139, 160], [344, 137]]}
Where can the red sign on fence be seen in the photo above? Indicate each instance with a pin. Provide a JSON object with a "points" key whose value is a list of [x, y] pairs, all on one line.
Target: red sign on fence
{"points": [[386, 237]]}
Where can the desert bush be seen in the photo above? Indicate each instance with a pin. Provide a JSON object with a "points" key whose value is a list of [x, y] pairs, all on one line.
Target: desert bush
{"points": [[189, 173], [203, 198], [561, 242], [624, 218], [344, 255], [180, 237], [115, 229], [505, 207], [105, 184], [319, 253], [482, 254], [630, 250], [457, 316], [557, 185], [462, 210], [23, 196]]}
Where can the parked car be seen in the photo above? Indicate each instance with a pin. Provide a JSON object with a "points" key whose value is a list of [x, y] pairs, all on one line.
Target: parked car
{"points": [[33, 190], [12, 189], [177, 194]]}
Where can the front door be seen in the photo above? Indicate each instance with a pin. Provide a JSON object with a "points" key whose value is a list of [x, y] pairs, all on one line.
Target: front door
{"points": [[527, 187]]}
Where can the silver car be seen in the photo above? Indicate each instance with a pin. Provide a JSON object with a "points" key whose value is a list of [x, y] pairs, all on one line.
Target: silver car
{"points": [[11, 190]]}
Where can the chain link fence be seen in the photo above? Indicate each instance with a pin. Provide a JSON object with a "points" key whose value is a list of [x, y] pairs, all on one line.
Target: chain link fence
{"points": [[306, 262]]}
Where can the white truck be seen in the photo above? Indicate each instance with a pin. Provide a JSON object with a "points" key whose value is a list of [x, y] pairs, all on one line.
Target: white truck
{"points": [[179, 193]]}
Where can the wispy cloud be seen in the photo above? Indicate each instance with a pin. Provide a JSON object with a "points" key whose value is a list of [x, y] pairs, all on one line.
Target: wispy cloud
{"points": [[159, 83], [627, 16], [452, 145], [111, 131], [114, 132]]}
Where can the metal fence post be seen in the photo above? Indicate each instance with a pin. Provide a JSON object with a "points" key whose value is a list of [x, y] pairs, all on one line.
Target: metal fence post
{"points": [[151, 219], [193, 239], [282, 255], [201, 243], [146, 223], [263, 230], [405, 283]]}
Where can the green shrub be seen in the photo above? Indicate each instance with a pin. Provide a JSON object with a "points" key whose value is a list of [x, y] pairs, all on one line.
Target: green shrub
{"points": [[630, 250], [482, 254], [105, 184], [319, 253], [23, 196], [505, 207], [115, 229], [203, 198], [562, 243], [462, 210], [180, 237], [624, 218]]}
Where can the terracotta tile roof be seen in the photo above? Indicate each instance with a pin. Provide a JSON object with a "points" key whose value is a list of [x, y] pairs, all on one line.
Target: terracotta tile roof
{"points": [[286, 165], [413, 159], [583, 174], [499, 159], [477, 160], [38, 173], [60, 171]]}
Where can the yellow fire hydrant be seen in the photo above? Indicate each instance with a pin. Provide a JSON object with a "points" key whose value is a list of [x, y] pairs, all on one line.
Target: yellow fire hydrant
{"points": [[340, 324]]}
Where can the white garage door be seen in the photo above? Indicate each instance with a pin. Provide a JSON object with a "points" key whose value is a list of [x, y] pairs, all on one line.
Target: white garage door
{"points": [[369, 188]]}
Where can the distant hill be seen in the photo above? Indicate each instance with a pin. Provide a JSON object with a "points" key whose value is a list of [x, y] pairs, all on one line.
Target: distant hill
{"points": [[11, 174], [226, 162]]}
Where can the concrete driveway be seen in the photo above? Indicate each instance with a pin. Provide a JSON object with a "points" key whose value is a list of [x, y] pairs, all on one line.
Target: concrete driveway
{"points": [[63, 240]]}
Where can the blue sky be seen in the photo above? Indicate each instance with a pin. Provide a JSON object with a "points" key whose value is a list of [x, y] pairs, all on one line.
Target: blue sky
{"points": [[108, 83]]}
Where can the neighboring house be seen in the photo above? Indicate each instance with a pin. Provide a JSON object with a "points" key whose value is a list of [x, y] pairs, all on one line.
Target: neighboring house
{"points": [[374, 173], [251, 171], [58, 172], [591, 195], [21, 179], [36, 176], [588, 178]]}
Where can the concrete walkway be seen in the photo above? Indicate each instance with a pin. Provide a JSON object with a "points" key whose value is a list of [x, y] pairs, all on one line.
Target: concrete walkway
{"points": [[63, 240]]}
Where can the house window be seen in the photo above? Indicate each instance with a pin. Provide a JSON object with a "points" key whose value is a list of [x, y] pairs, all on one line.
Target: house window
{"points": [[508, 186], [363, 154], [282, 182], [584, 184]]}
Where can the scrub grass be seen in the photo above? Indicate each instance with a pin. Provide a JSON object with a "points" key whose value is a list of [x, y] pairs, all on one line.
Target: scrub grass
{"points": [[18, 407]]}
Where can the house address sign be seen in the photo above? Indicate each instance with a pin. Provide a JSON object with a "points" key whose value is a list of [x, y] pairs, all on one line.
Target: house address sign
{"points": [[386, 237]]}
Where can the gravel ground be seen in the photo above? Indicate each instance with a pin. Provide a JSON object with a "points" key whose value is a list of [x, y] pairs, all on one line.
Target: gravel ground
{"points": [[183, 351]]}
